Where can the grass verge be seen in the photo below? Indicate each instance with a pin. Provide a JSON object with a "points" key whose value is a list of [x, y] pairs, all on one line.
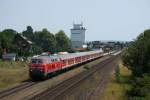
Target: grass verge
{"points": [[117, 90], [12, 73]]}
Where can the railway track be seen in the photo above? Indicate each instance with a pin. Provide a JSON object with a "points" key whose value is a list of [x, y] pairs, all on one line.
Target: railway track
{"points": [[105, 72], [57, 90], [54, 92], [15, 89], [18, 88]]}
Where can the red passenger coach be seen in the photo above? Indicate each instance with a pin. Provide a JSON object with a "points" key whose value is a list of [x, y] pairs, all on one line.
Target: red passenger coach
{"points": [[41, 66]]}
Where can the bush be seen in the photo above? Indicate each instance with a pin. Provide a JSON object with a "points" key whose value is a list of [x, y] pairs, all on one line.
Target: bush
{"points": [[137, 57], [141, 87]]}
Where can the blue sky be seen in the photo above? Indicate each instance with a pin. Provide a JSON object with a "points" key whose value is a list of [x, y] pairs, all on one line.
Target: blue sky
{"points": [[103, 19]]}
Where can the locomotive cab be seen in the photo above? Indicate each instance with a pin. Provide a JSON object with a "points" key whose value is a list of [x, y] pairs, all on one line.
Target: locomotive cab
{"points": [[37, 68], [41, 66]]}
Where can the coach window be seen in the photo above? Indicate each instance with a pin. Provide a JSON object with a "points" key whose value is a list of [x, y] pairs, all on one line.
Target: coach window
{"points": [[64, 61]]}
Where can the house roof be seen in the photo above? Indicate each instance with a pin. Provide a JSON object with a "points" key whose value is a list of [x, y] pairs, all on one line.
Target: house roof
{"points": [[25, 38]]}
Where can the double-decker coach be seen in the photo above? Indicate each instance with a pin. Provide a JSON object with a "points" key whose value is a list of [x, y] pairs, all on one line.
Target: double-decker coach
{"points": [[41, 66]]}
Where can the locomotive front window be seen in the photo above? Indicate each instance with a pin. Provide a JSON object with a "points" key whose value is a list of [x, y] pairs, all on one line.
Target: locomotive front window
{"points": [[36, 61], [55, 59], [40, 61], [52, 60], [33, 61]]}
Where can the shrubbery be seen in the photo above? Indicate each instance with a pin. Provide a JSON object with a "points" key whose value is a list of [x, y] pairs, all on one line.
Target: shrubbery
{"points": [[141, 88], [137, 56], [137, 59]]}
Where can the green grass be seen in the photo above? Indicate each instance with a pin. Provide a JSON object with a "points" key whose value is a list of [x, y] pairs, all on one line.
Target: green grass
{"points": [[115, 90], [12, 73]]}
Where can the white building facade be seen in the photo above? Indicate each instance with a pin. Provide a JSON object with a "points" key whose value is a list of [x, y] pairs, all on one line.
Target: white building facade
{"points": [[77, 36]]}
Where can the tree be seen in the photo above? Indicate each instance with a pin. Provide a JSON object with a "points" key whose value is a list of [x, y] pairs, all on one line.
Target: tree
{"points": [[29, 33], [6, 38], [45, 40], [137, 56], [63, 42], [140, 88]]}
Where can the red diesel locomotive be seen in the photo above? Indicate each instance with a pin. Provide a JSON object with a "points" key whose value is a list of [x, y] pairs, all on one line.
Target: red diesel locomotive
{"points": [[41, 66]]}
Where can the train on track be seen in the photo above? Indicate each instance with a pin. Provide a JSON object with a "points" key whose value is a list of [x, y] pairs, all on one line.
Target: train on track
{"points": [[42, 66]]}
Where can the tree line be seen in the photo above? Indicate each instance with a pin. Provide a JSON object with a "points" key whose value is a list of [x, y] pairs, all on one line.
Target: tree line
{"points": [[137, 58], [42, 41]]}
